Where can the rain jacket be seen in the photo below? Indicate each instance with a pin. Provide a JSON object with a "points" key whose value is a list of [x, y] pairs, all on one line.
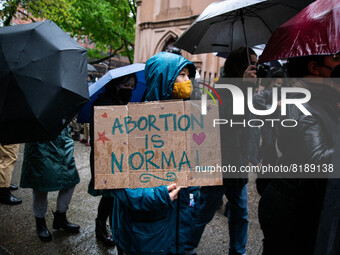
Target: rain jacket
{"points": [[161, 72], [50, 166], [145, 220], [310, 143]]}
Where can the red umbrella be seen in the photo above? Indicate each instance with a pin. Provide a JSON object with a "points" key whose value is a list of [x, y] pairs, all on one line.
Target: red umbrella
{"points": [[313, 31]]}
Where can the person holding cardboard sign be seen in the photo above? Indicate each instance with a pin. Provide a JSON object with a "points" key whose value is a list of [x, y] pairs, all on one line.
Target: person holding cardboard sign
{"points": [[158, 220]]}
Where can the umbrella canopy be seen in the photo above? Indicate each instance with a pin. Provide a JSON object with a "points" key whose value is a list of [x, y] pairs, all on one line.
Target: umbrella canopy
{"points": [[99, 87], [227, 25], [91, 68], [314, 31], [258, 49], [43, 81]]}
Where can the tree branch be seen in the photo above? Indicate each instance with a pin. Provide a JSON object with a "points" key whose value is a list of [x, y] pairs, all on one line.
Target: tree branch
{"points": [[133, 10], [11, 13], [27, 16], [107, 57]]}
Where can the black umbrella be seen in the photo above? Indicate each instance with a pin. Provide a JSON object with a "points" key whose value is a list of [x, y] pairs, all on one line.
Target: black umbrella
{"points": [[226, 25], [43, 81]]}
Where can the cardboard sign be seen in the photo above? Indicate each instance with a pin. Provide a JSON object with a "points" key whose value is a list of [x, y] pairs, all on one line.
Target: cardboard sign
{"points": [[155, 143]]}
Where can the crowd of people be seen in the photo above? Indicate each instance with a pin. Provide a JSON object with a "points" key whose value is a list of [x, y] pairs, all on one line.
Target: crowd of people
{"points": [[161, 220]]}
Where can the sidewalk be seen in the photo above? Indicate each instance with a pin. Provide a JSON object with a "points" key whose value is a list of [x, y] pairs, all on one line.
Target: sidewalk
{"points": [[17, 224]]}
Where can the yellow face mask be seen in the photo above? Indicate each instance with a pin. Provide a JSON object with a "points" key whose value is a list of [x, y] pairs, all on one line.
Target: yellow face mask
{"points": [[182, 90]]}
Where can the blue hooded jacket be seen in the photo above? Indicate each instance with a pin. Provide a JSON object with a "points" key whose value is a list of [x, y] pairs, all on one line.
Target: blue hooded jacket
{"points": [[161, 71], [145, 220]]}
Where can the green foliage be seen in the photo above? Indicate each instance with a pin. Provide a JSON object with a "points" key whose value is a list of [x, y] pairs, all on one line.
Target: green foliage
{"points": [[35, 10], [110, 24], [95, 53]]}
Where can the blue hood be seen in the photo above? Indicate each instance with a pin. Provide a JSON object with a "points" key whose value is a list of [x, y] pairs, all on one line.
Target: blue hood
{"points": [[161, 71]]}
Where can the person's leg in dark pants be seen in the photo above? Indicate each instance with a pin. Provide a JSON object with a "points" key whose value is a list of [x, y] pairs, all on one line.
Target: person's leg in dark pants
{"points": [[39, 204], [105, 209], [209, 201], [60, 221], [238, 218], [278, 221]]}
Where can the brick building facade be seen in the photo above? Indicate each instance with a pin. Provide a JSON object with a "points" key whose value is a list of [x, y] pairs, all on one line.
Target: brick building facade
{"points": [[161, 22]]}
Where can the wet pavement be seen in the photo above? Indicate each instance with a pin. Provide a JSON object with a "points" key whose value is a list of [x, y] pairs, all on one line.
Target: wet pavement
{"points": [[17, 224]]}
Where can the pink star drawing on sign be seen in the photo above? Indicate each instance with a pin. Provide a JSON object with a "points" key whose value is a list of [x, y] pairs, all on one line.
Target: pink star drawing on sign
{"points": [[102, 137]]}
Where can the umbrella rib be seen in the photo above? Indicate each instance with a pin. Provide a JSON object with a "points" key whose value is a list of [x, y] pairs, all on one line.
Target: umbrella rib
{"points": [[31, 32], [236, 17], [257, 7], [292, 7], [17, 60], [225, 17], [265, 24], [251, 11]]}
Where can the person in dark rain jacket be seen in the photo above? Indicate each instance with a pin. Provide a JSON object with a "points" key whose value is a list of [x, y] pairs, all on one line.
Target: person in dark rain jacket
{"points": [[289, 209], [50, 166]]}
